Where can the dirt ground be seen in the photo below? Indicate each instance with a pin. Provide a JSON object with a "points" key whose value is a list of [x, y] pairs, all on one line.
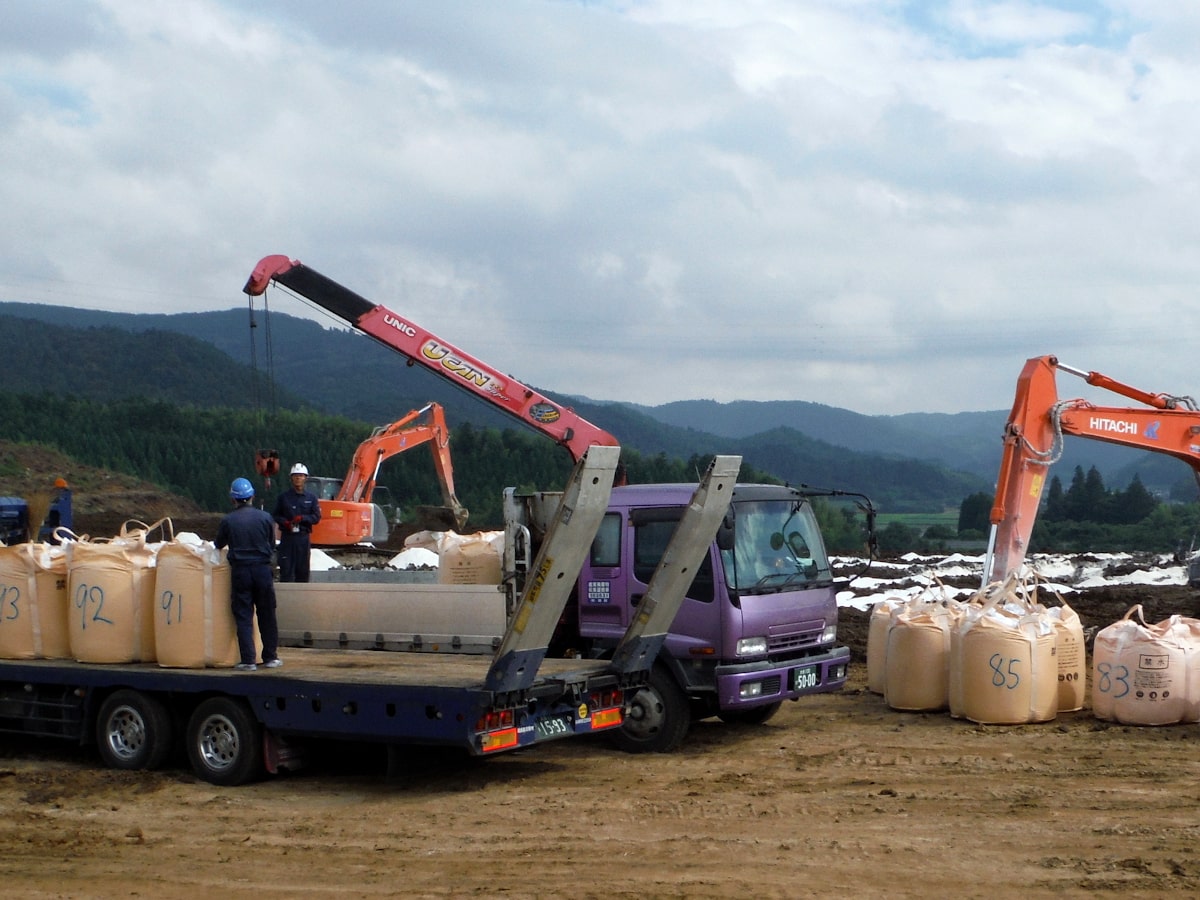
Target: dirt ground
{"points": [[836, 795]]}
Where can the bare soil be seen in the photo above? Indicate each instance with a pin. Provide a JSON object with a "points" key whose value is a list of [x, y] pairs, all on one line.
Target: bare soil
{"points": [[103, 501], [837, 794]]}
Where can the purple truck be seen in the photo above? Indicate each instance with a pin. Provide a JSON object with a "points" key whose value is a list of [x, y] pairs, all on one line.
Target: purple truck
{"points": [[759, 622]]}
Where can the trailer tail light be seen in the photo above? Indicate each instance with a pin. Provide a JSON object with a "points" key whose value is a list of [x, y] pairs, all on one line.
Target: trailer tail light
{"points": [[496, 730], [607, 708], [494, 719], [610, 697]]}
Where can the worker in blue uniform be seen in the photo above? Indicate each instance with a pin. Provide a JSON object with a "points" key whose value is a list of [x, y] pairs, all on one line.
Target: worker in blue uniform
{"points": [[249, 533], [296, 512]]}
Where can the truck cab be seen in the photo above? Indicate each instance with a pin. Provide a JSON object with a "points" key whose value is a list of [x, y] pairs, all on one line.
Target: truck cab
{"points": [[758, 625]]}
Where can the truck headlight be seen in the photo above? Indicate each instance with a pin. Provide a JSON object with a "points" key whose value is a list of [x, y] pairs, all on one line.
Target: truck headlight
{"points": [[829, 635], [754, 646]]}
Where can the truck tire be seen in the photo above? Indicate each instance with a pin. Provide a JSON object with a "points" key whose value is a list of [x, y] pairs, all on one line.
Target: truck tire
{"points": [[133, 731], [756, 715], [656, 718], [225, 742]]}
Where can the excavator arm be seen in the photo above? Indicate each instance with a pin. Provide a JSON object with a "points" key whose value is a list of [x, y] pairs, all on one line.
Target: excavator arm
{"points": [[1033, 442], [404, 434], [422, 348]]}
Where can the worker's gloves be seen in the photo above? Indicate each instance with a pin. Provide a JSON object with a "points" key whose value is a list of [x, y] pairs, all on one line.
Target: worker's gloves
{"points": [[296, 523]]}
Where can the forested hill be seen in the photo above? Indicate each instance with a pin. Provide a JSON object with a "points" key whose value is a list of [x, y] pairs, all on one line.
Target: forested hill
{"points": [[109, 356], [106, 363], [343, 372]]}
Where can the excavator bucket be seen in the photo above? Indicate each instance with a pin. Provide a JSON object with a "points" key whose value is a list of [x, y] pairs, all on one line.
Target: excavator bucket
{"points": [[440, 518]]}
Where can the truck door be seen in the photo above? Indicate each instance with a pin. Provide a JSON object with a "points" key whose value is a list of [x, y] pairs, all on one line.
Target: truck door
{"points": [[624, 555], [603, 583], [698, 624]]}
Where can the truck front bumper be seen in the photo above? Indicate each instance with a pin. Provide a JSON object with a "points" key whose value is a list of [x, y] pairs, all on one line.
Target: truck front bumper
{"points": [[744, 685]]}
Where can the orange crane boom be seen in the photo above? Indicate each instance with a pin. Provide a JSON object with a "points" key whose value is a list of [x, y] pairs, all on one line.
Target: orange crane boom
{"points": [[423, 348], [1033, 442]]}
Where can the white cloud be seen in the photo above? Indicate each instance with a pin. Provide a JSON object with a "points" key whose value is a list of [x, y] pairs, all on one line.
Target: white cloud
{"points": [[880, 205], [1016, 23]]}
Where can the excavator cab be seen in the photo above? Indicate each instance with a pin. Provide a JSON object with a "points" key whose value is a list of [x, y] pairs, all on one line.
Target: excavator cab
{"points": [[323, 487]]}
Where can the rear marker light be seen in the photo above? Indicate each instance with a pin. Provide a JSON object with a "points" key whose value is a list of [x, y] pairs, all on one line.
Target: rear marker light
{"points": [[606, 718], [498, 740]]}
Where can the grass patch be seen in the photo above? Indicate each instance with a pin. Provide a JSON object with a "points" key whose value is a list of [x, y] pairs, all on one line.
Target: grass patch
{"points": [[920, 521]]}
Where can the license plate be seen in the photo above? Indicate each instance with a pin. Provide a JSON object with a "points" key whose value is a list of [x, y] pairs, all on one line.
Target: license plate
{"points": [[557, 726], [804, 679]]}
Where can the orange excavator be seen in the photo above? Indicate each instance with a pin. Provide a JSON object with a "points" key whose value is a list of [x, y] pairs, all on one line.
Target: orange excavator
{"points": [[348, 515], [1033, 442]]}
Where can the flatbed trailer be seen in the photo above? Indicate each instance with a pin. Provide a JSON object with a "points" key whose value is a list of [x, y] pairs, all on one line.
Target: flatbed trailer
{"points": [[236, 724]]}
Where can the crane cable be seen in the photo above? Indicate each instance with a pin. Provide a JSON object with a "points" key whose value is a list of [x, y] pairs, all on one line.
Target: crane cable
{"points": [[266, 462]]}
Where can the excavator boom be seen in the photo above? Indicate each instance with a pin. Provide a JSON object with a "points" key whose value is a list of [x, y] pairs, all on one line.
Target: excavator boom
{"points": [[438, 356], [1033, 442], [349, 516]]}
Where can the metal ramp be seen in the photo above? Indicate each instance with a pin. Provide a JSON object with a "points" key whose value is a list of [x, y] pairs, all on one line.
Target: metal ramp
{"points": [[554, 571]]}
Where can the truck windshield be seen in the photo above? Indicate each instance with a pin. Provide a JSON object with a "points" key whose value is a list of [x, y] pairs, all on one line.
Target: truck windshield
{"points": [[777, 546]]}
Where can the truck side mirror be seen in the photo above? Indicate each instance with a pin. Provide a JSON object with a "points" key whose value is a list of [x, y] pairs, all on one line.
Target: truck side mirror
{"points": [[725, 533]]}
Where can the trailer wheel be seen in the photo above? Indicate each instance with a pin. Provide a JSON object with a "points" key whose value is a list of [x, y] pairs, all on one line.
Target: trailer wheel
{"points": [[133, 731], [754, 716], [656, 718], [224, 742]]}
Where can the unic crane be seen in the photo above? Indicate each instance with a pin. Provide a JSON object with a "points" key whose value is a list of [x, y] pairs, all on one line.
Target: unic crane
{"points": [[421, 347], [1033, 439]]}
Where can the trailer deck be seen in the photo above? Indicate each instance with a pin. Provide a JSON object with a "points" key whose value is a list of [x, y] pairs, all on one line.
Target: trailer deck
{"points": [[383, 668]]}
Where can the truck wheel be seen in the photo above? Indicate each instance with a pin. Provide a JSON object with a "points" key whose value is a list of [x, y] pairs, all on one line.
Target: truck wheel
{"points": [[133, 731], [224, 742], [754, 716], [657, 718]]}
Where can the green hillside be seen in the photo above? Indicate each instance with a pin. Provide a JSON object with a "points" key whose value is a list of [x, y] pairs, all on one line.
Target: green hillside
{"points": [[193, 360]]}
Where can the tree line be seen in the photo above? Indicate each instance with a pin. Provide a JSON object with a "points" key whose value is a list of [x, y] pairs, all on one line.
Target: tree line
{"points": [[196, 452], [1089, 516]]}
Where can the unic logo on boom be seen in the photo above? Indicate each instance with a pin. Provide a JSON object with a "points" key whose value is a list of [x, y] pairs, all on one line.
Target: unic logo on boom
{"points": [[400, 325], [442, 355], [1114, 425]]}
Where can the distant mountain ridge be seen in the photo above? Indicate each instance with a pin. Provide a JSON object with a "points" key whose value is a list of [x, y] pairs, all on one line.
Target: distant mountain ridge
{"points": [[936, 457]]}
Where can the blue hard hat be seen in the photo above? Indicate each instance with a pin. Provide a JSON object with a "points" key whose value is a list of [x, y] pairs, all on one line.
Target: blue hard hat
{"points": [[241, 489]]}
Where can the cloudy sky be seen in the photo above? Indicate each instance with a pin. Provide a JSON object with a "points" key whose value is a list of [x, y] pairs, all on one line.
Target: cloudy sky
{"points": [[880, 205]]}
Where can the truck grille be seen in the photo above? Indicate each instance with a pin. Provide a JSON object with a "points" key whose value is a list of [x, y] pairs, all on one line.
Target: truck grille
{"points": [[791, 643]]}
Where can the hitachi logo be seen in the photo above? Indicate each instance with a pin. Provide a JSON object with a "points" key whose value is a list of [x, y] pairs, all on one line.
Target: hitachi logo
{"points": [[1098, 424]]}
